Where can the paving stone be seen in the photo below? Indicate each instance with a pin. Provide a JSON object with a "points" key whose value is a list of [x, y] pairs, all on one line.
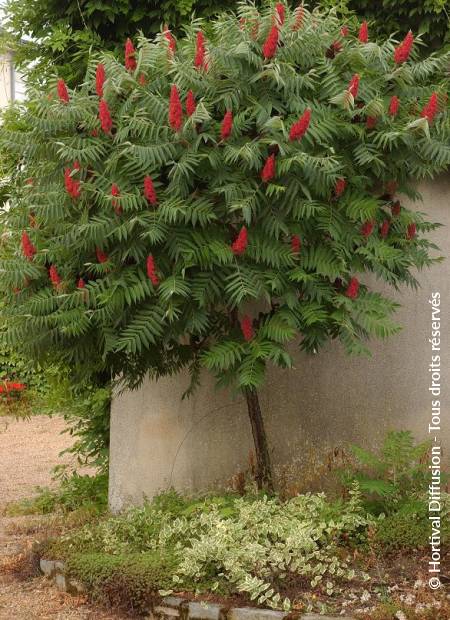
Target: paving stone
{"points": [[202, 611], [60, 582], [319, 617], [253, 613], [47, 567]]}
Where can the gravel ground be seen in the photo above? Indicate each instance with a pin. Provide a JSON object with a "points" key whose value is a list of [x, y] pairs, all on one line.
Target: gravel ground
{"points": [[28, 451]]}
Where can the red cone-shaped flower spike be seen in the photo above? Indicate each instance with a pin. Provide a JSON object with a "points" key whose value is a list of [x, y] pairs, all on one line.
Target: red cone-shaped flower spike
{"points": [[394, 105], [271, 43], [130, 56], [353, 87], [363, 34], [371, 122], [300, 127], [149, 191], [54, 276], [227, 125], [172, 43], [411, 232], [190, 103], [81, 283], [28, 248], [199, 60], [175, 109], [247, 328], [101, 256], [384, 230], [339, 187], [352, 288], [105, 116], [62, 91], [268, 172], [367, 228], [402, 52], [296, 244], [100, 79], [396, 208], [240, 244], [431, 108], [344, 31], [151, 270], [281, 12]]}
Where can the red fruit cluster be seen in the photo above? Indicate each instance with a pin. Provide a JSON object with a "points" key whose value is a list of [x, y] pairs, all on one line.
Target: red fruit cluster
{"points": [[240, 243], [363, 34], [270, 45], [115, 193], [227, 125], [353, 87], [175, 109], [100, 79], [247, 328], [384, 230], [130, 56], [268, 171], [102, 257], [371, 122], [411, 231], [339, 187], [300, 127], [105, 116], [72, 185], [81, 283], [352, 288], [402, 51], [63, 93], [281, 12], [28, 248], [394, 106], [344, 31], [199, 60], [367, 228], [299, 17], [151, 271], [191, 106], [431, 108], [296, 244], [172, 43], [9, 386], [149, 191], [396, 208], [54, 276]]}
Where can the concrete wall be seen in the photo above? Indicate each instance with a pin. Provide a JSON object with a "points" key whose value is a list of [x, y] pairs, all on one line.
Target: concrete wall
{"points": [[330, 399]]}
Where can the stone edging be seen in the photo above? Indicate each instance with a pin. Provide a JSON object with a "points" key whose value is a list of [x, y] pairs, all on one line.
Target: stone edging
{"points": [[173, 607]]}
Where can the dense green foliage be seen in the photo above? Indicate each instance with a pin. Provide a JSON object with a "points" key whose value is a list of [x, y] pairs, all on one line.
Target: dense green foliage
{"points": [[129, 322]]}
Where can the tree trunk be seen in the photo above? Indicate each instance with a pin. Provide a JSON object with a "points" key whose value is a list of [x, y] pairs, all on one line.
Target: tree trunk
{"points": [[264, 478]]}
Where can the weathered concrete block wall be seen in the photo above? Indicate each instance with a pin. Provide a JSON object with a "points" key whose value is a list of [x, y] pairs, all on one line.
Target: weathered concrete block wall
{"points": [[158, 441]]}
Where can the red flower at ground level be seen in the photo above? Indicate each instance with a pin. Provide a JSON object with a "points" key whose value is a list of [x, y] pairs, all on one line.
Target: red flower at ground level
{"points": [[62, 91], [247, 328], [300, 127], [227, 125], [402, 51], [149, 191], [352, 288], [151, 270], [270, 45], [175, 109], [240, 243], [268, 171]]}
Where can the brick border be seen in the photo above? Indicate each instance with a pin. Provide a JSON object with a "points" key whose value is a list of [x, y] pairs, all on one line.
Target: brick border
{"points": [[173, 607]]}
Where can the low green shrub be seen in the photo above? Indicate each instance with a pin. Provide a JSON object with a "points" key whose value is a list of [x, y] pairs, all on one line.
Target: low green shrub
{"points": [[125, 580]]}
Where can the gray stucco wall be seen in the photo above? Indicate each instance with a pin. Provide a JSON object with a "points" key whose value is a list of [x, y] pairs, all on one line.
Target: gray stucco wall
{"points": [[158, 441]]}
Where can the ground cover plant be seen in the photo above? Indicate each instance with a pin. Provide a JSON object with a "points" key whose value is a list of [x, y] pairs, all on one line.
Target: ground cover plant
{"points": [[216, 199]]}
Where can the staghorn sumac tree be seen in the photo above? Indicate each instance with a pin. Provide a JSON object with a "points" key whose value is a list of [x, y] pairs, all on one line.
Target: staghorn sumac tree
{"points": [[220, 197]]}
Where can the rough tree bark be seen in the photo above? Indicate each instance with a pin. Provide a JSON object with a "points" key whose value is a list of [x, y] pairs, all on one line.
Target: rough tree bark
{"points": [[264, 476]]}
